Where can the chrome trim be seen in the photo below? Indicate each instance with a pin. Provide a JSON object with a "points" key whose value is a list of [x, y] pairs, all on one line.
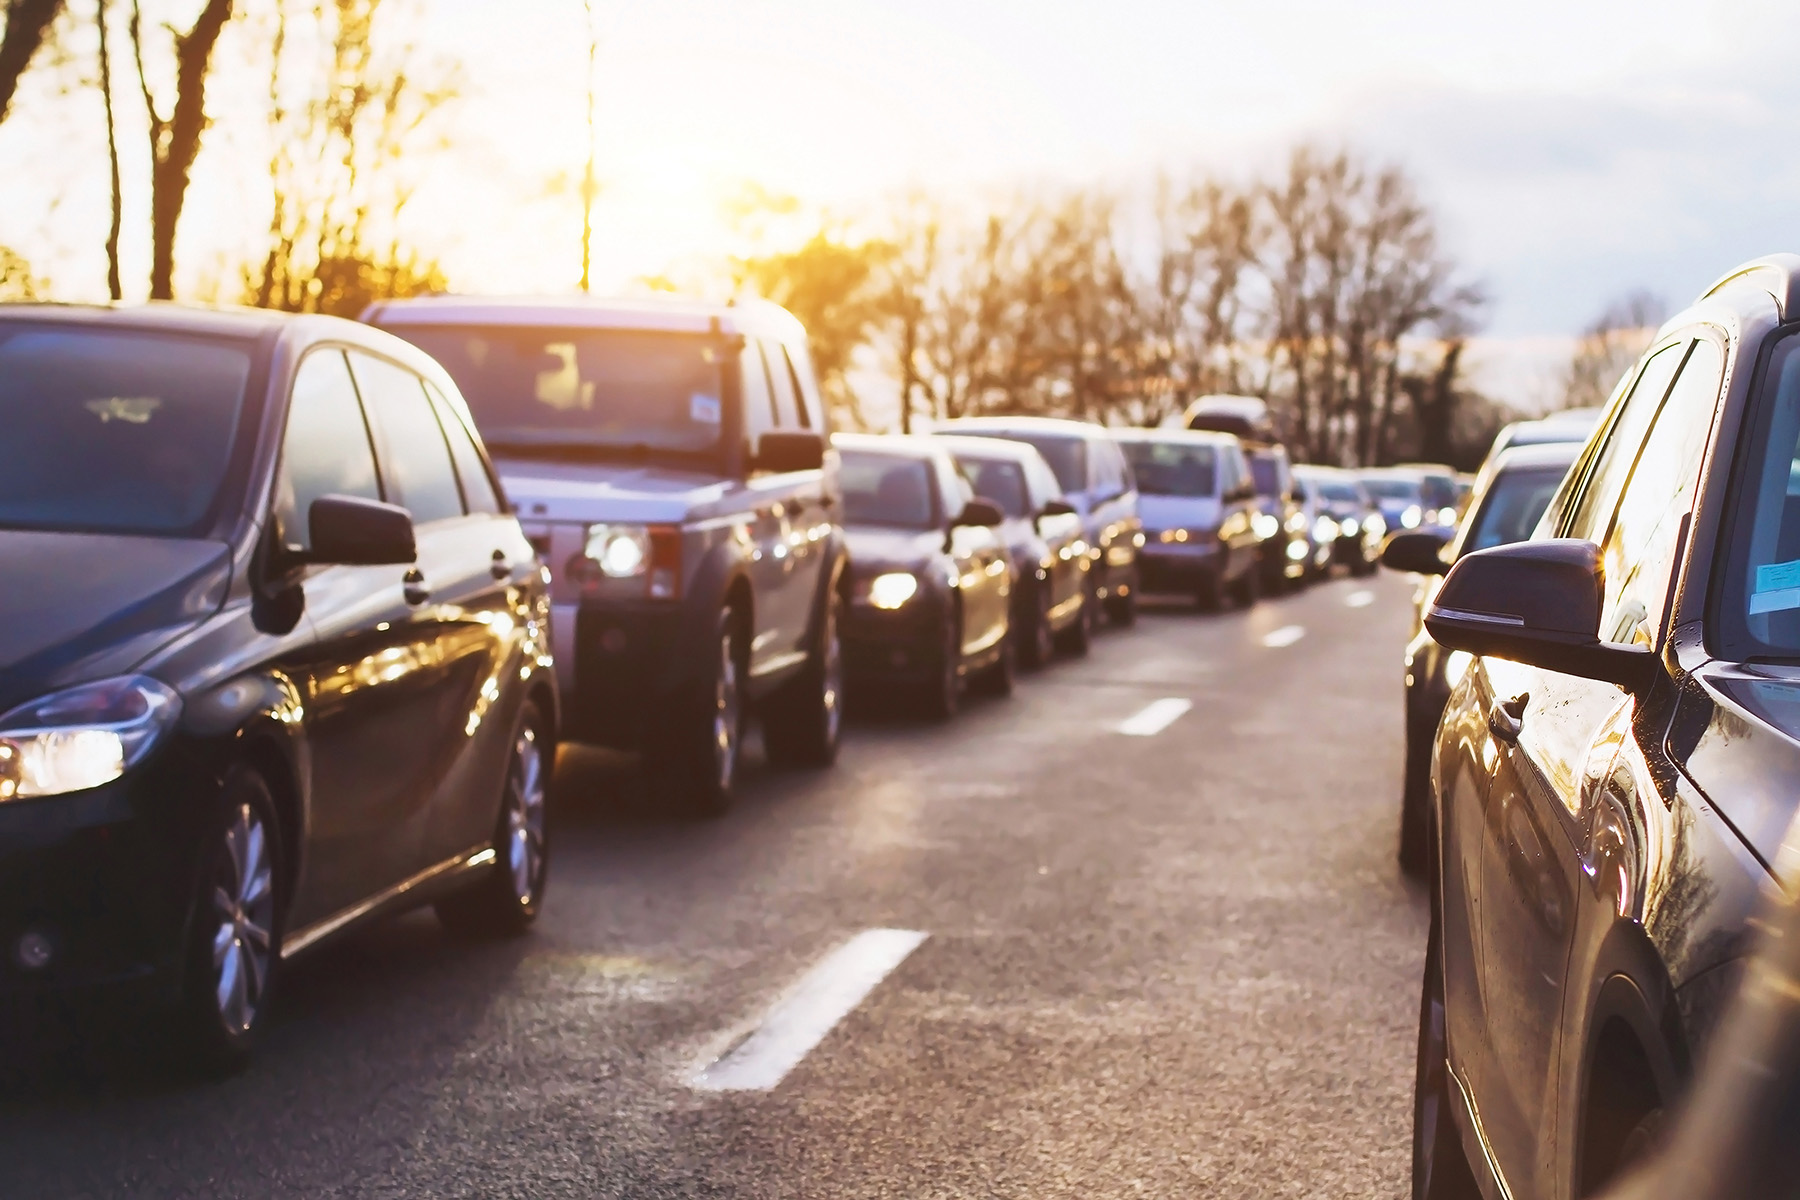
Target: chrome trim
{"points": [[1463, 614], [320, 930], [1487, 1149]]}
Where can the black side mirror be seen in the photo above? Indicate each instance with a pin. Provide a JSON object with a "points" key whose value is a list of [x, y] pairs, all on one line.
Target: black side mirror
{"points": [[1417, 550], [979, 512], [790, 450], [359, 532], [1537, 603], [1055, 508]]}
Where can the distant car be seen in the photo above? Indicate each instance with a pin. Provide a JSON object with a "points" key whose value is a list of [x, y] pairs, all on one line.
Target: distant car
{"points": [[1095, 479], [1283, 523], [274, 659], [1245, 417], [1510, 496], [1569, 425], [930, 578], [669, 461], [1360, 527], [1399, 495], [1440, 493], [1043, 536], [1199, 508], [1322, 531]]}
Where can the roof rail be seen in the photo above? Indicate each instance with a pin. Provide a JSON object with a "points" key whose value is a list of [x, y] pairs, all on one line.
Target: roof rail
{"points": [[1776, 274]]}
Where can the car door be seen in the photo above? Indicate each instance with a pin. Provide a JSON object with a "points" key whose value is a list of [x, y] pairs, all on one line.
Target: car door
{"points": [[981, 562], [1555, 739], [1237, 514], [798, 408], [1061, 532], [768, 521]]}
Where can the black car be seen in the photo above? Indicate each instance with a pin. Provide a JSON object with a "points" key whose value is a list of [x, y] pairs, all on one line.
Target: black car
{"points": [[930, 579], [1509, 498], [1282, 524], [1042, 534], [274, 658], [1619, 766]]}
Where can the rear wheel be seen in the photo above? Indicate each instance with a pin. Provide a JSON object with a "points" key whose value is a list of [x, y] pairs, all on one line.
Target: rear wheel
{"points": [[1440, 1169], [1037, 641], [802, 726], [695, 764], [505, 901]]}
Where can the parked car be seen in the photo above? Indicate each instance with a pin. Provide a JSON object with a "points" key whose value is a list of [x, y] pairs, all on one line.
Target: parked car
{"points": [[930, 580], [1360, 528], [1440, 493], [1199, 508], [1043, 537], [1400, 496], [1322, 530], [274, 660], [669, 460], [1509, 499], [1618, 764], [1570, 425], [1095, 479], [1283, 523]]}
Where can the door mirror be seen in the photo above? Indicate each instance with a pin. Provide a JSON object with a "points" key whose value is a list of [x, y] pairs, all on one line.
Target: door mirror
{"points": [[1420, 551], [979, 512], [1055, 508], [358, 532], [790, 450], [1537, 603]]}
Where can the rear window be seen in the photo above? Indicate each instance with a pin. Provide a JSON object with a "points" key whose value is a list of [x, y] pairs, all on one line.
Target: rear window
{"points": [[1173, 468], [886, 489], [1067, 456], [1265, 469], [999, 480]]}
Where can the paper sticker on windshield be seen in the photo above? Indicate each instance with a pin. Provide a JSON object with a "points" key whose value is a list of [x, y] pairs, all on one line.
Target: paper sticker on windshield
{"points": [[703, 408], [1777, 587]]}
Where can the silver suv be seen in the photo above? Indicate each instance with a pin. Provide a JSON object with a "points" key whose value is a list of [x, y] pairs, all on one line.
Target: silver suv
{"points": [[670, 461]]}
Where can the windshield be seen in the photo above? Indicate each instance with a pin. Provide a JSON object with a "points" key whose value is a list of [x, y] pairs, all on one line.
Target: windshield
{"points": [[1386, 487], [1067, 456], [1512, 506], [115, 432], [1438, 491], [1337, 491], [546, 390], [1265, 469], [1172, 468], [999, 480], [886, 489], [1761, 601]]}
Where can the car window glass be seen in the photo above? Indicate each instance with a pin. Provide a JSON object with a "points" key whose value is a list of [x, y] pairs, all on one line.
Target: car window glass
{"points": [[477, 485], [802, 405], [1594, 504], [1512, 506], [1173, 468], [415, 458], [757, 401], [1638, 555], [887, 489], [1266, 471], [325, 450], [781, 383], [1000, 480]]}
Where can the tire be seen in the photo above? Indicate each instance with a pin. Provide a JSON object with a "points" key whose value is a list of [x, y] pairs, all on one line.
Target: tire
{"points": [[1122, 610], [505, 900], [1415, 803], [1078, 637], [1212, 595], [1037, 643], [941, 697], [233, 956], [1248, 589], [997, 678], [694, 764], [1440, 1169], [803, 724]]}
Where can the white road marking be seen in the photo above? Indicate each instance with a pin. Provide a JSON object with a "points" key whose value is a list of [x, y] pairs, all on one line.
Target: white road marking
{"points": [[800, 1020], [1360, 599], [1287, 635], [1155, 716]]}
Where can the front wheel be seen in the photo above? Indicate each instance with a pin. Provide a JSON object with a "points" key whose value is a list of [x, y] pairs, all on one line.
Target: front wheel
{"points": [[942, 694], [505, 901], [695, 761], [1121, 605], [997, 679], [803, 724], [1415, 803], [1248, 589], [1037, 641], [1078, 636], [1440, 1169]]}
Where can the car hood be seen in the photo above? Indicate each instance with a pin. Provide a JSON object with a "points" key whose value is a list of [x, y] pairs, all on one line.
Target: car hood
{"points": [[874, 548], [86, 605], [1178, 512], [606, 491]]}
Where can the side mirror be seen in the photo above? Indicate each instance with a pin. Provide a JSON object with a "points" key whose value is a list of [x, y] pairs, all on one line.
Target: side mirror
{"points": [[1055, 508], [1241, 493], [790, 450], [1417, 550], [358, 532], [1537, 603], [979, 512]]}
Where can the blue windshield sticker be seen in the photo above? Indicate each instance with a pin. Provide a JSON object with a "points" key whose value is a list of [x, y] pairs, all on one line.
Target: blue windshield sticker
{"points": [[703, 408], [1777, 587]]}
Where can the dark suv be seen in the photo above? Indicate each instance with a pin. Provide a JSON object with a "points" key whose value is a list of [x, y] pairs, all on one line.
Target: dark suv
{"points": [[670, 461], [274, 657], [1619, 764]]}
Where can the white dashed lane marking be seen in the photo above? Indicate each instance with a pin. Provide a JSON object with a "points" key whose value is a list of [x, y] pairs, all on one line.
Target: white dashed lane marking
{"points": [[1287, 635], [800, 1020], [1155, 716], [1360, 599]]}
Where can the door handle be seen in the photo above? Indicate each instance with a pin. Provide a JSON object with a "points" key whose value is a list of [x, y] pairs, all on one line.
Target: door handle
{"points": [[412, 587], [500, 569], [1507, 717]]}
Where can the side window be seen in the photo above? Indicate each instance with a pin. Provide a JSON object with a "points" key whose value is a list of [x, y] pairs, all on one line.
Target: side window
{"points": [[1599, 495], [326, 449], [1639, 551], [1105, 470], [478, 491], [781, 383], [415, 453], [759, 401], [803, 403]]}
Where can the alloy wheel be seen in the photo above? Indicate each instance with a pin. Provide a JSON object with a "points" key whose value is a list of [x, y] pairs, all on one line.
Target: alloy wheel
{"points": [[525, 817], [244, 909]]}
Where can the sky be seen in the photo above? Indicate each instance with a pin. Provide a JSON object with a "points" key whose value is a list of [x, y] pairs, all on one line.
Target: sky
{"points": [[1571, 150]]}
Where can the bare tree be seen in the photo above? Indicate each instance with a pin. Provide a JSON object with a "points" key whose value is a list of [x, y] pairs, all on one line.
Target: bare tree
{"points": [[113, 283], [27, 27], [1609, 346]]}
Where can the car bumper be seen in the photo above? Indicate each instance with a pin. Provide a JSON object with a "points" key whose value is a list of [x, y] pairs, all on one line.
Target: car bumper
{"points": [[633, 663], [903, 645], [1168, 568]]}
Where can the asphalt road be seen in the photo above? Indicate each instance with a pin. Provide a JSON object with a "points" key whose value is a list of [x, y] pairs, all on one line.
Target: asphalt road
{"points": [[1174, 964]]}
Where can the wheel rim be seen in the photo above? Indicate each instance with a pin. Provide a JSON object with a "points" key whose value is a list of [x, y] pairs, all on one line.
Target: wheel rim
{"points": [[525, 818], [244, 912], [725, 714], [1430, 1089], [831, 698]]}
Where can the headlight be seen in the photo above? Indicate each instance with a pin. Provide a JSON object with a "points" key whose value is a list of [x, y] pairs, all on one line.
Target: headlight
{"points": [[1446, 516], [83, 736], [1325, 530], [1296, 550], [1266, 525], [622, 551], [651, 553], [1348, 527], [1412, 516], [892, 590], [1297, 523], [1172, 535], [1375, 524]]}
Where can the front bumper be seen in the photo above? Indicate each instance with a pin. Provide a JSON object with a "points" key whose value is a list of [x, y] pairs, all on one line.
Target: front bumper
{"points": [[1176, 567], [633, 664], [903, 645]]}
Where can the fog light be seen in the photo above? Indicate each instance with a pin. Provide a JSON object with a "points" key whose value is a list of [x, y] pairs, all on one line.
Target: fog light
{"points": [[33, 951]]}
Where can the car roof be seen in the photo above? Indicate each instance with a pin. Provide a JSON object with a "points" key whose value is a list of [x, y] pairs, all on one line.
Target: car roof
{"points": [[666, 314], [1538, 454], [1191, 437], [987, 447], [207, 320], [1041, 425], [897, 444]]}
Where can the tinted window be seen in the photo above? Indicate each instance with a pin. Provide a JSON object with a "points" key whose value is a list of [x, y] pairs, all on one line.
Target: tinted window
{"points": [[882, 489], [758, 400], [1173, 468], [781, 384], [999, 480], [325, 450], [415, 458], [1438, 491], [1606, 479], [1067, 458], [1513, 504], [1265, 469], [629, 390], [123, 432], [1761, 601], [477, 485]]}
